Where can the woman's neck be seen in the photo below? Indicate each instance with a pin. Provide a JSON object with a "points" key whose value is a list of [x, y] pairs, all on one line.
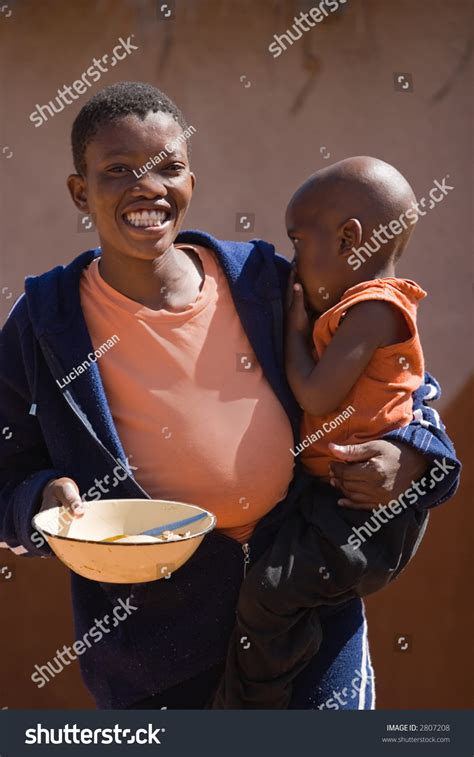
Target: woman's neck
{"points": [[170, 282]]}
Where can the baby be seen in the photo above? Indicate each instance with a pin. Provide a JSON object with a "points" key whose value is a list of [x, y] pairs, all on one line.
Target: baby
{"points": [[353, 374], [366, 360]]}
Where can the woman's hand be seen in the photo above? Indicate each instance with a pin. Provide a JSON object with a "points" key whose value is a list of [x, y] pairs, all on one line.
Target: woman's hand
{"points": [[375, 472], [63, 492]]}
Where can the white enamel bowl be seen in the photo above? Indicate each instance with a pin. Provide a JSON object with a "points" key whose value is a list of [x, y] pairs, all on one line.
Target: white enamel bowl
{"points": [[78, 541]]}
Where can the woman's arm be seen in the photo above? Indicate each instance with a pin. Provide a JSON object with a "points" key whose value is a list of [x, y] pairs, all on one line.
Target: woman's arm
{"points": [[25, 466]]}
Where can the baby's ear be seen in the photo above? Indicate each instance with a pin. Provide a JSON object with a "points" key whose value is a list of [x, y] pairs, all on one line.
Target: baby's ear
{"points": [[350, 236]]}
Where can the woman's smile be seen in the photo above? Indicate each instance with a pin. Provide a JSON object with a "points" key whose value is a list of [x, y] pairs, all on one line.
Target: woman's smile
{"points": [[149, 221]]}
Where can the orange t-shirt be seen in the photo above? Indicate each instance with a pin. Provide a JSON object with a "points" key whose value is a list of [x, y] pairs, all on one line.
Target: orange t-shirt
{"points": [[199, 425], [381, 399]]}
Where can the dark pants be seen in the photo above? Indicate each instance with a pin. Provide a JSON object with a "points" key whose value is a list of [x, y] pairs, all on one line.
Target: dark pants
{"points": [[342, 666], [310, 565], [288, 591], [193, 694]]}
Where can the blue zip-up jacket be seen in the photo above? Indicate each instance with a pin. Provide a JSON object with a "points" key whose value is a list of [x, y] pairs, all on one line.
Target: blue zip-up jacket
{"points": [[182, 626]]}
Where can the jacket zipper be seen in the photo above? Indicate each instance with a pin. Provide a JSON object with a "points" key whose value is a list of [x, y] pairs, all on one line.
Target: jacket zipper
{"points": [[70, 401], [246, 551]]}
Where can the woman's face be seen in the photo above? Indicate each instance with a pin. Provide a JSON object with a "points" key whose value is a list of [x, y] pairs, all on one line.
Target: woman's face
{"points": [[137, 214]]}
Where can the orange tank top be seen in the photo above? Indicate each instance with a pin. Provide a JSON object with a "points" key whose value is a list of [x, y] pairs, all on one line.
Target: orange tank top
{"points": [[381, 399]]}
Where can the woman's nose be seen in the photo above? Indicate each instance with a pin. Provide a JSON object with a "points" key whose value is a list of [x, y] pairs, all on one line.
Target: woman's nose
{"points": [[150, 184]]}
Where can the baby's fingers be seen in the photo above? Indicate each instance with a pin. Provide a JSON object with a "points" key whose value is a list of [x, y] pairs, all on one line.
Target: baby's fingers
{"points": [[289, 289], [298, 297], [298, 317]]}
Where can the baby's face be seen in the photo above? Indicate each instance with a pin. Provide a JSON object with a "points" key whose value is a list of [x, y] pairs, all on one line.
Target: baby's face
{"points": [[316, 244]]}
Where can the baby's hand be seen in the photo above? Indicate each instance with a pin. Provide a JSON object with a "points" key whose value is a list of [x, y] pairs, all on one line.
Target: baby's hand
{"points": [[297, 317]]}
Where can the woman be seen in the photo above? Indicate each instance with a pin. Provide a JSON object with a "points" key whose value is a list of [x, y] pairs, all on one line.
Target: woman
{"points": [[193, 391]]}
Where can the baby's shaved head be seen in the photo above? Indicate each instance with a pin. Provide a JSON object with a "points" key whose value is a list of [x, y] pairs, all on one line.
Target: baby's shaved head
{"points": [[365, 188]]}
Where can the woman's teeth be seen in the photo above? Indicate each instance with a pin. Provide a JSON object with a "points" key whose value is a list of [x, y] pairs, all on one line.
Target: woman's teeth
{"points": [[147, 218]]}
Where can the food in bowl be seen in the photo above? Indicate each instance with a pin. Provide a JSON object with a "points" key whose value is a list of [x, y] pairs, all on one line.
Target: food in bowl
{"points": [[137, 558]]}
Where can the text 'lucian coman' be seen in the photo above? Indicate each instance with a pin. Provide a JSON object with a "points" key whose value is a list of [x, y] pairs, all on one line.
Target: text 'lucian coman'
{"points": [[326, 428], [91, 358]]}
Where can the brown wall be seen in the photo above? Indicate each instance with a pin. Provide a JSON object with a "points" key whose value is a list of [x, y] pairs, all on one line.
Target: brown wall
{"points": [[431, 603], [331, 92]]}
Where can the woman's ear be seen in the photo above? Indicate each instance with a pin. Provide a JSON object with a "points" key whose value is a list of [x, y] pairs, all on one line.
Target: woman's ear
{"points": [[77, 189], [350, 236]]}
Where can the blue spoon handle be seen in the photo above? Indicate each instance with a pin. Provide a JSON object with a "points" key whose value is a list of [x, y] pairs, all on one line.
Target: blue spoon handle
{"points": [[170, 526]]}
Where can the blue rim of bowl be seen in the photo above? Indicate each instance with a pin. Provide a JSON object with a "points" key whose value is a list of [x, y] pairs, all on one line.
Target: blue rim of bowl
{"points": [[119, 543]]}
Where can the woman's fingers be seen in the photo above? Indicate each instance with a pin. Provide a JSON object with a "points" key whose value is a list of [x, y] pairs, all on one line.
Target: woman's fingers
{"points": [[355, 452], [359, 494], [366, 472], [352, 505], [355, 487], [354, 494], [63, 492], [69, 497]]}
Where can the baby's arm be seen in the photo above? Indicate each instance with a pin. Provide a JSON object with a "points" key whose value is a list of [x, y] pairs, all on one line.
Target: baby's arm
{"points": [[321, 387]]}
